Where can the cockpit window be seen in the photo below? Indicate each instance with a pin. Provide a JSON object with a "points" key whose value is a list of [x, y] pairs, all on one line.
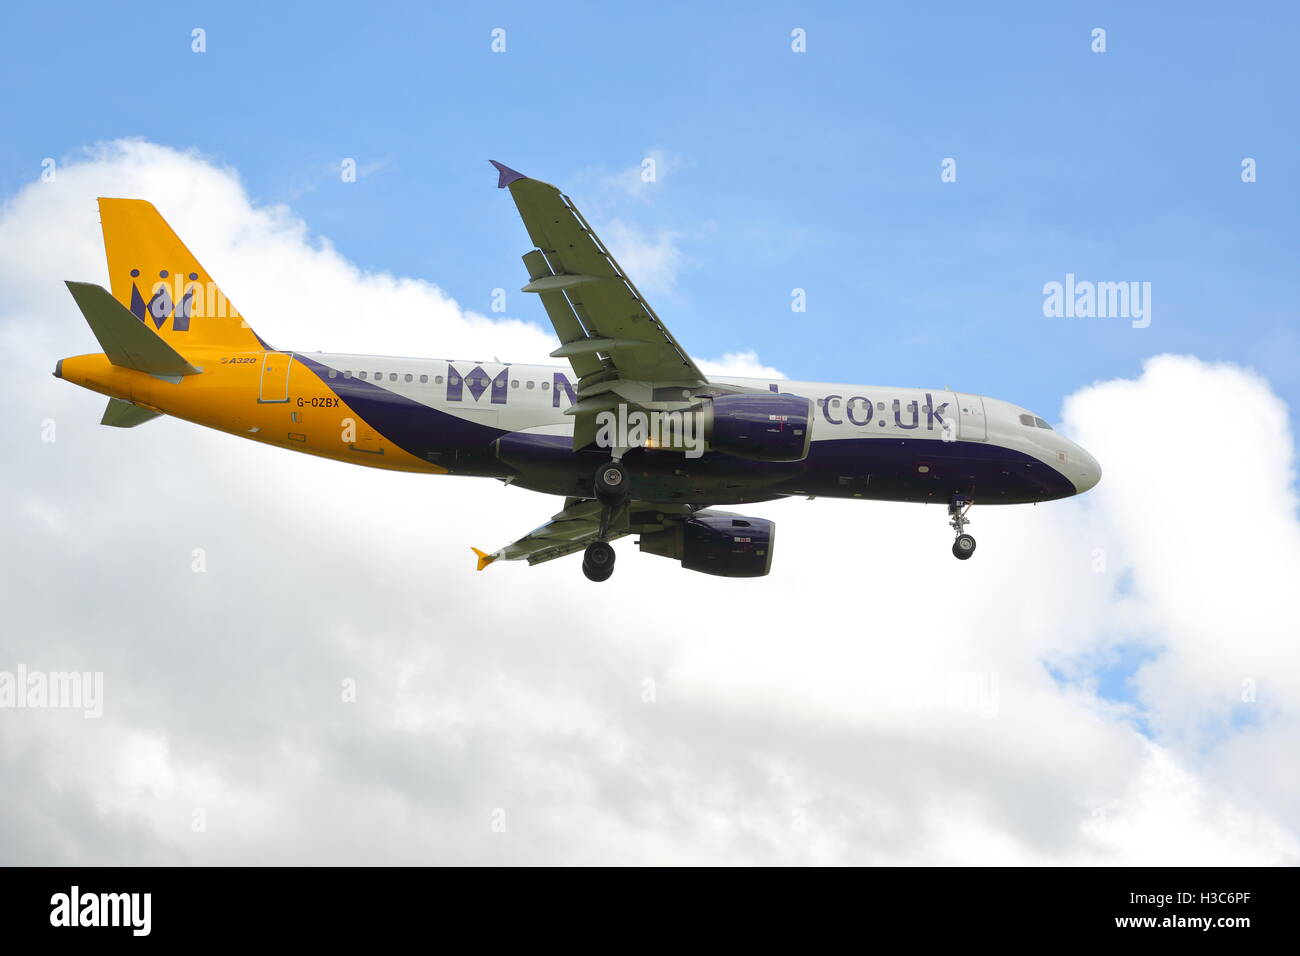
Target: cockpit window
{"points": [[1033, 421]]}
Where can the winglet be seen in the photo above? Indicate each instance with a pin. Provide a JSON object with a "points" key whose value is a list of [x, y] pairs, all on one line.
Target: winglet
{"points": [[484, 559], [507, 176]]}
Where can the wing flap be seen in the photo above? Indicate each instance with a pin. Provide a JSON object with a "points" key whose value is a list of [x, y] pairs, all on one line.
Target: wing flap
{"points": [[604, 299], [560, 312], [613, 339], [607, 330]]}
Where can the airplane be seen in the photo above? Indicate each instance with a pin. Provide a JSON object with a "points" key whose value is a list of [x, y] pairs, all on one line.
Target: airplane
{"points": [[629, 431]]}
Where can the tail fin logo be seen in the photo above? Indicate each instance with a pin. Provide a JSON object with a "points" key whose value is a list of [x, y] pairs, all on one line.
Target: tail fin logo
{"points": [[195, 301]]}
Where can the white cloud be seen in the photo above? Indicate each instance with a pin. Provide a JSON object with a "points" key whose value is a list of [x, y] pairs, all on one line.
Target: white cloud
{"points": [[872, 701], [652, 261], [743, 364], [651, 257], [294, 288]]}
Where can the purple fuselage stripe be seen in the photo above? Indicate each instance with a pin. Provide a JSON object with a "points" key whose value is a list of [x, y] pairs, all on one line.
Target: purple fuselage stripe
{"points": [[874, 468]]}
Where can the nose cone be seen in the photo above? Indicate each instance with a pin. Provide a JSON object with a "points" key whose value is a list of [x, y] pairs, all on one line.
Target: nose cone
{"points": [[1085, 471]]}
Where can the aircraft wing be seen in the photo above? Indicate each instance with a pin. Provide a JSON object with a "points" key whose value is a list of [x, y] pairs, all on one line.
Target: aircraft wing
{"points": [[577, 526], [619, 348]]}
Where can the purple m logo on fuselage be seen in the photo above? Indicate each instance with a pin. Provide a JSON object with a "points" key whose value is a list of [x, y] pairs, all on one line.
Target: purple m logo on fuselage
{"points": [[477, 382]]}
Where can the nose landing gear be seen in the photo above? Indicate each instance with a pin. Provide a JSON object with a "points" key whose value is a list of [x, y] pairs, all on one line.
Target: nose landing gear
{"points": [[964, 546]]}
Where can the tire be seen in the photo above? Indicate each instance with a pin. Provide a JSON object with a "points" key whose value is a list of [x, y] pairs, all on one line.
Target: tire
{"points": [[611, 483], [598, 561], [963, 547]]}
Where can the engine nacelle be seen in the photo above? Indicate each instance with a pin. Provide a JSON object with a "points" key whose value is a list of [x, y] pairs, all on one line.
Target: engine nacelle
{"points": [[717, 542], [771, 427]]}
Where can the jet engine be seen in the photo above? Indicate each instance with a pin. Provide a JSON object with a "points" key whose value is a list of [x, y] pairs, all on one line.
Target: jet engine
{"points": [[773, 427], [716, 542]]}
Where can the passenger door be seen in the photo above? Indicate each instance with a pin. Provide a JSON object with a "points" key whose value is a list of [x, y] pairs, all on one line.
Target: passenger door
{"points": [[275, 376], [972, 427]]}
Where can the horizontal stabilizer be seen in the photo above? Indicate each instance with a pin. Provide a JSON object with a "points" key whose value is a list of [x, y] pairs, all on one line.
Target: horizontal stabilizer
{"points": [[122, 414], [126, 340]]}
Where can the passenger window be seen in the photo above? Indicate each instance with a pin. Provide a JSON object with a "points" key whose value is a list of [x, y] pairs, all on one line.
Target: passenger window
{"points": [[453, 380], [424, 380], [392, 377], [1027, 420], [531, 384], [363, 374], [333, 374], [515, 383], [347, 373], [437, 380], [410, 377], [379, 376], [545, 386]]}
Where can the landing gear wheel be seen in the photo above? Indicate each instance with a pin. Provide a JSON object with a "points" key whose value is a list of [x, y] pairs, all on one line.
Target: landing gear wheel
{"points": [[598, 561], [963, 547], [611, 483]]}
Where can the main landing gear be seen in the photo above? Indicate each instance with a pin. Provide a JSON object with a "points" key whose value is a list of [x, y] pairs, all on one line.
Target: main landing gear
{"points": [[611, 483], [598, 561], [964, 546], [611, 489]]}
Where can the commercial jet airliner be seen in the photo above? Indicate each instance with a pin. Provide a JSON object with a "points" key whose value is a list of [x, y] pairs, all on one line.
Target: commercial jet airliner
{"points": [[630, 432]]}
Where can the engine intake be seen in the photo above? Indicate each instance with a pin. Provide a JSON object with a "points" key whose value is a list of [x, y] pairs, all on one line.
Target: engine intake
{"points": [[717, 542]]}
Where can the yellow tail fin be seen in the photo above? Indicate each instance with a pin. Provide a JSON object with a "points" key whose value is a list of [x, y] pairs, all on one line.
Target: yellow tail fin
{"points": [[484, 559], [160, 281]]}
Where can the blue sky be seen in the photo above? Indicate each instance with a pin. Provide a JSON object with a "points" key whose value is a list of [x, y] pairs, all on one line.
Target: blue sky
{"points": [[778, 171], [817, 170]]}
